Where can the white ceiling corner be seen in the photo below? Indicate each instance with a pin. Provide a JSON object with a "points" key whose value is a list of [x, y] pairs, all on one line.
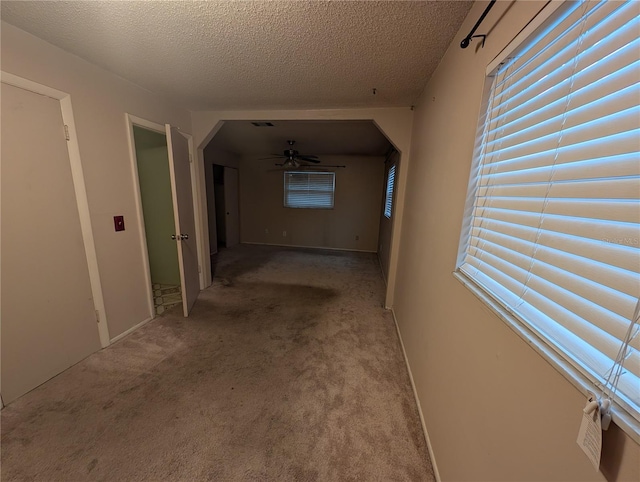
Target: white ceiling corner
{"points": [[255, 54]]}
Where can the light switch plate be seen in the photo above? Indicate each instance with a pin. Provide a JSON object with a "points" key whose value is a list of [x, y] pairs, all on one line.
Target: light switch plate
{"points": [[118, 222]]}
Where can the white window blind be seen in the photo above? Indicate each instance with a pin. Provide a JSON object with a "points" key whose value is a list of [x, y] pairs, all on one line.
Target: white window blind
{"points": [[309, 189], [553, 229], [388, 199]]}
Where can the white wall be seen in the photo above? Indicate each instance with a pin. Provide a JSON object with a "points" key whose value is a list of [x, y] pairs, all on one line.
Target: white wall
{"points": [[356, 211], [493, 407], [100, 101], [213, 155]]}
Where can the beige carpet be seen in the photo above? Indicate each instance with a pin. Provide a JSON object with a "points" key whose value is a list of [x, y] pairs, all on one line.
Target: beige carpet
{"points": [[288, 369]]}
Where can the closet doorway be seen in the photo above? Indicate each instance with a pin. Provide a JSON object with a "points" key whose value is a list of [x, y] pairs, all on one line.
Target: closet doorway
{"points": [[161, 161], [154, 179], [225, 182]]}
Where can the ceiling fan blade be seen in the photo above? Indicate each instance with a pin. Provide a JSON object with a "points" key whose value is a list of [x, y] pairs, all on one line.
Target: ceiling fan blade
{"points": [[274, 156], [309, 159]]}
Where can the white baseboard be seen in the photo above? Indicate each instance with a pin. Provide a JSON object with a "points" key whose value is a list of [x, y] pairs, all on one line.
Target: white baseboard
{"points": [[415, 394], [130, 330], [309, 247]]}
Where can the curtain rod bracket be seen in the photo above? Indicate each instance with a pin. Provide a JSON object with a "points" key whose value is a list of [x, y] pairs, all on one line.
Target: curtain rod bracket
{"points": [[467, 40]]}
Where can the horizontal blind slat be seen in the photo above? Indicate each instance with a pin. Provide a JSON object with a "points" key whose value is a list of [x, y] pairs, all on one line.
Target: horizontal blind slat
{"points": [[583, 227], [577, 114], [389, 191], [610, 251], [597, 303], [572, 134], [623, 210], [613, 167], [561, 64], [554, 42], [612, 75], [552, 38], [613, 145], [611, 276]]}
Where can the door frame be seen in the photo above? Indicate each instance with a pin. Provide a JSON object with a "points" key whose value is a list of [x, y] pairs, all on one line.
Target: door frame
{"points": [[132, 120], [226, 207], [77, 176], [197, 211]]}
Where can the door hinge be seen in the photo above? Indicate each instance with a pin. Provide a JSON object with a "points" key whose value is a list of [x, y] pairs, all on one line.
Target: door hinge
{"points": [[97, 316], [66, 132]]}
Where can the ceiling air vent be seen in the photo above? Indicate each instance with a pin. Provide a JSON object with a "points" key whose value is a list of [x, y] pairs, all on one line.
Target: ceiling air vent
{"points": [[262, 124]]}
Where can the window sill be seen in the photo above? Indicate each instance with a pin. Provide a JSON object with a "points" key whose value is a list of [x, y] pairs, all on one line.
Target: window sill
{"points": [[619, 416]]}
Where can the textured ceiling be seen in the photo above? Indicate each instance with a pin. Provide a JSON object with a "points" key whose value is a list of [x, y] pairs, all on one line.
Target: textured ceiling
{"points": [[255, 54], [312, 137]]}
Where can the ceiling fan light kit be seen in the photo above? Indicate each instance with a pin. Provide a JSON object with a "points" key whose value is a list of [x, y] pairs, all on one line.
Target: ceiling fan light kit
{"points": [[292, 157]]}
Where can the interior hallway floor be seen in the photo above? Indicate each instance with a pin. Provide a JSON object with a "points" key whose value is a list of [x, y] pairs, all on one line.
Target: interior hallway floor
{"points": [[288, 369]]}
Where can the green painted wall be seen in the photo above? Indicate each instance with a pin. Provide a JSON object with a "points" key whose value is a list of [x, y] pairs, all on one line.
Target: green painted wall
{"points": [[157, 205]]}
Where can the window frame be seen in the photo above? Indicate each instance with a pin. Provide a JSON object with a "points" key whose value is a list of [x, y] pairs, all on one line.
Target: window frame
{"points": [[562, 364], [286, 190]]}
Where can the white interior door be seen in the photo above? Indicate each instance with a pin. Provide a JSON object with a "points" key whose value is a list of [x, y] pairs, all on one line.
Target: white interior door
{"points": [[232, 212], [180, 170], [48, 313]]}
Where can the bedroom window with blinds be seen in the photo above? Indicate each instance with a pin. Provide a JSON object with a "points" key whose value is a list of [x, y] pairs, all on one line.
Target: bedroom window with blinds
{"points": [[312, 190], [551, 237], [388, 199]]}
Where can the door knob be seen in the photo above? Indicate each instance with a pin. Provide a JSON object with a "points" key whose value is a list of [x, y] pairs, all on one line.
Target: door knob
{"points": [[184, 236], [173, 236]]}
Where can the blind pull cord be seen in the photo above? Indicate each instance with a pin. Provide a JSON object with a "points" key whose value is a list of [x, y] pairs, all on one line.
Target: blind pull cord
{"points": [[552, 173], [610, 387]]}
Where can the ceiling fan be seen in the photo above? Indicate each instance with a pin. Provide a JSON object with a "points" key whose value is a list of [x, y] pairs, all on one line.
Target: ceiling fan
{"points": [[292, 158]]}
